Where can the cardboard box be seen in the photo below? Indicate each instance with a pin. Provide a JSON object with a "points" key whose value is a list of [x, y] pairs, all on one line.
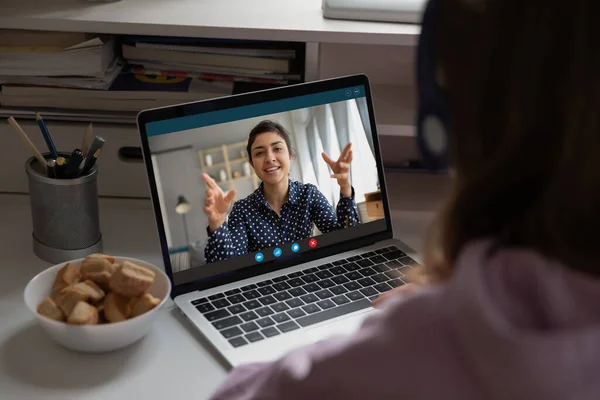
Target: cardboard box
{"points": [[374, 204]]}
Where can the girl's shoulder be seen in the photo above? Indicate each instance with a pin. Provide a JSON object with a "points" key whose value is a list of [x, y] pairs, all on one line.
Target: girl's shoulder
{"points": [[244, 205], [299, 190], [303, 186]]}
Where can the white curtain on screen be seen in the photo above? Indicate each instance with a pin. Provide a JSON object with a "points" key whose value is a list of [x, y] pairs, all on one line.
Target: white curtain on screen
{"points": [[328, 128]]}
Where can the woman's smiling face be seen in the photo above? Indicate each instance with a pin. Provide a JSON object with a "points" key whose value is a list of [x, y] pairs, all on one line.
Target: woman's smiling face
{"points": [[270, 157]]}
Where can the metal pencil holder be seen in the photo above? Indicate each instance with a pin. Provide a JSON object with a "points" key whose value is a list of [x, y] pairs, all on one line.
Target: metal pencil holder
{"points": [[66, 222]]}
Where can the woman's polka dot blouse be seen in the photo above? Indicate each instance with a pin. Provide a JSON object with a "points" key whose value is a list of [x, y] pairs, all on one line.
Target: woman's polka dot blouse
{"points": [[253, 225]]}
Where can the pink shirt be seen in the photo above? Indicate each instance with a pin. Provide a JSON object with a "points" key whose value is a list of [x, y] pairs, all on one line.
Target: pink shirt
{"points": [[509, 325]]}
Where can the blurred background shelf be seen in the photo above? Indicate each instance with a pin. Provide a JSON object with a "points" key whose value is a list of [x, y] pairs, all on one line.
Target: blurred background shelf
{"points": [[233, 169], [324, 48]]}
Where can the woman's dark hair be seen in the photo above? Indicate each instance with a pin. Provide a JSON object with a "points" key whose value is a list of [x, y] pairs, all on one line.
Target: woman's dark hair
{"points": [[526, 130], [268, 126]]}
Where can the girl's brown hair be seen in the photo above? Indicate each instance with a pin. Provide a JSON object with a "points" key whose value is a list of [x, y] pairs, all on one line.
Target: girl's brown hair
{"points": [[268, 126], [523, 79]]}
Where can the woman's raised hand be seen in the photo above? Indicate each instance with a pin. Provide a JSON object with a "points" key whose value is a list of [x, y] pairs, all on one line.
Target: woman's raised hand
{"points": [[341, 169], [216, 204]]}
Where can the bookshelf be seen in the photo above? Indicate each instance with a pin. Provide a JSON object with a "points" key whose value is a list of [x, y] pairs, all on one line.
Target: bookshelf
{"points": [[229, 160], [383, 51]]}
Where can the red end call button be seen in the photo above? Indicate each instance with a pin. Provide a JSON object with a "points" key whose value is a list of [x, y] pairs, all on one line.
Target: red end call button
{"points": [[312, 242]]}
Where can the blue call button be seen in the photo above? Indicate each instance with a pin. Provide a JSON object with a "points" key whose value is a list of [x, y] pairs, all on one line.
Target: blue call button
{"points": [[259, 257], [295, 247], [277, 252]]}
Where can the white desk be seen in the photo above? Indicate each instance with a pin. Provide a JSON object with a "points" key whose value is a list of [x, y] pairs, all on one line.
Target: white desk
{"points": [[172, 361], [293, 20]]}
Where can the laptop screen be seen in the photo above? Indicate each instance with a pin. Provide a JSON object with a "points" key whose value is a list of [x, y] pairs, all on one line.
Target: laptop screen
{"points": [[267, 182]]}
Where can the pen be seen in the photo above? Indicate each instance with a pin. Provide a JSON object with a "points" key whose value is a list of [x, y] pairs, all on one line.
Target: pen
{"points": [[72, 169], [28, 143], [87, 139], [46, 135], [59, 169], [92, 155], [51, 166]]}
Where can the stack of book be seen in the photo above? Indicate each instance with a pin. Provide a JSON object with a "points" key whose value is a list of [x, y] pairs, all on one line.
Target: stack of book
{"points": [[65, 59], [129, 93], [63, 75], [257, 62], [31, 60]]}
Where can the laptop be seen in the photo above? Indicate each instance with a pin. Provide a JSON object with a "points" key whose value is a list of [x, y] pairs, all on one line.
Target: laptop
{"points": [[401, 11], [310, 280]]}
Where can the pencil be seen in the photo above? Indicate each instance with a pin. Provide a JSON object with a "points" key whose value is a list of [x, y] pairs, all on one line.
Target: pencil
{"points": [[46, 135], [92, 155], [87, 139], [28, 143]]}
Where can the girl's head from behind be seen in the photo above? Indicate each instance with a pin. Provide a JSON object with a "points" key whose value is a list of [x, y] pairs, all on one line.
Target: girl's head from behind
{"points": [[523, 82], [269, 151]]}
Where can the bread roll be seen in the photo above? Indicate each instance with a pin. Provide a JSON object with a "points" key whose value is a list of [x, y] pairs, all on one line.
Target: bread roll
{"points": [[48, 308], [143, 304], [100, 291], [110, 259], [131, 280], [100, 308], [94, 291], [116, 307], [69, 297], [66, 276], [98, 269], [83, 314]]}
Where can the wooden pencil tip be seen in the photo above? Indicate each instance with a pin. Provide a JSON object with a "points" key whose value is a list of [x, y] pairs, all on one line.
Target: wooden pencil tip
{"points": [[38, 116]]}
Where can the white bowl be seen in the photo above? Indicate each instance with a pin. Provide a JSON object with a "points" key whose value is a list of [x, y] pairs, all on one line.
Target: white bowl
{"points": [[95, 338]]}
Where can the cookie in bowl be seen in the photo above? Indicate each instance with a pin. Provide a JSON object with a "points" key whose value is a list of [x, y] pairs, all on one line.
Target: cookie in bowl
{"points": [[98, 303]]}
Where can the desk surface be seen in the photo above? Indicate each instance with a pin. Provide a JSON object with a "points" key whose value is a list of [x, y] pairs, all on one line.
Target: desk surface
{"points": [[293, 20], [173, 361]]}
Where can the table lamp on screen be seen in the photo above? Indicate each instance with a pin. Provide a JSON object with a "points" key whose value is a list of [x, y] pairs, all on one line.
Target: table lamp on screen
{"points": [[182, 208]]}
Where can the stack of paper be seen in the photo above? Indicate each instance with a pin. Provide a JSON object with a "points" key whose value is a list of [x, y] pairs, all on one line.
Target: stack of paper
{"points": [[113, 117], [129, 92], [214, 59], [57, 59], [79, 74]]}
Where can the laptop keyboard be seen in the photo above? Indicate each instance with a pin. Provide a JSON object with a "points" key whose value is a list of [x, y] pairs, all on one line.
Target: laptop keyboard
{"points": [[286, 303]]}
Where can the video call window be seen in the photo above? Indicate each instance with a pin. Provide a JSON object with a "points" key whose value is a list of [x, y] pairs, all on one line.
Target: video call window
{"points": [[265, 185]]}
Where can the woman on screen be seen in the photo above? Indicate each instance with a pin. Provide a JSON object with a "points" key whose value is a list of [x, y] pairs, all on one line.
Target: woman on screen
{"points": [[280, 210]]}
